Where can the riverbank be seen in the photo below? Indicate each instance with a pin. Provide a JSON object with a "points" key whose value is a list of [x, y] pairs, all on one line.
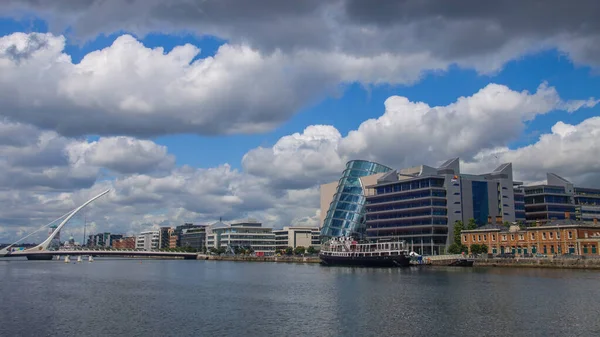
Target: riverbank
{"points": [[285, 259], [556, 263]]}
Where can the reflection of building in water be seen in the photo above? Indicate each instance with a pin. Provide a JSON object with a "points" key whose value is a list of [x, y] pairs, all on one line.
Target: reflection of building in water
{"points": [[55, 243]]}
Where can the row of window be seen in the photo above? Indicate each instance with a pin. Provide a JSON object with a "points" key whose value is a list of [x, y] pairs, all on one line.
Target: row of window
{"points": [[416, 204], [406, 223], [411, 185], [405, 214], [521, 237], [545, 189], [408, 196]]}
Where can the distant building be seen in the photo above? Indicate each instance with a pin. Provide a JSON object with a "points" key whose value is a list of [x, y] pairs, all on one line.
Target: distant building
{"points": [[177, 233], [566, 236], [194, 238], [550, 201], [55, 243], [165, 237], [247, 235], [297, 236], [102, 239], [124, 243], [148, 240]]}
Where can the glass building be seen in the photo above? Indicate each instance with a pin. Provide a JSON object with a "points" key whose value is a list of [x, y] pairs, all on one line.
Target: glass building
{"points": [[345, 216]]}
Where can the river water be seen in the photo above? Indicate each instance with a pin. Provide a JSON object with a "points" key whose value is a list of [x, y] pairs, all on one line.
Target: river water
{"points": [[123, 297]]}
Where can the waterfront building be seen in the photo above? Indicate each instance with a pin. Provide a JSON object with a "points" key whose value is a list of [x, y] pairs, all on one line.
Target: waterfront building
{"points": [[564, 236], [55, 243], [165, 237], [297, 236], [177, 233], [249, 235], [124, 243], [421, 204], [342, 202], [194, 238], [551, 201], [148, 240], [101, 240]]}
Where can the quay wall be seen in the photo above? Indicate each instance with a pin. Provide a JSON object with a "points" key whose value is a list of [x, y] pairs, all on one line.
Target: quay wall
{"points": [[559, 263], [285, 259]]}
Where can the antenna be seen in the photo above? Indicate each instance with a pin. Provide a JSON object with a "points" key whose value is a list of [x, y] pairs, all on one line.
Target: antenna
{"points": [[83, 242]]}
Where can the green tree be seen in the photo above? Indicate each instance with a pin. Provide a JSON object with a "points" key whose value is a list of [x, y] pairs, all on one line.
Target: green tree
{"points": [[457, 249], [299, 250], [506, 224], [472, 224], [458, 228], [289, 251], [311, 250]]}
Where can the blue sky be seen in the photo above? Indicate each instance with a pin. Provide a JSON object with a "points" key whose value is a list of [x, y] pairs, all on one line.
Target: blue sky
{"points": [[159, 131], [356, 102]]}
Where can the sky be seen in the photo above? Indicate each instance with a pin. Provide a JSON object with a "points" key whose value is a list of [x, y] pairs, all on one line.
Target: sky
{"points": [[195, 110]]}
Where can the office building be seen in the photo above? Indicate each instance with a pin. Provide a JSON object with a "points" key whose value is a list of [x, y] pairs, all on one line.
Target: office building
{"points": [[342, 202], [102, 239], [194, 238], [148, 240], [566, 236], [296, 237], [124, 243], [177, 233], [247, 235], [165, 237], [421, 204], [551, 201]]}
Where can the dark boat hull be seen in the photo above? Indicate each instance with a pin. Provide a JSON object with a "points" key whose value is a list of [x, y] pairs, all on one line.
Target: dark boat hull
{"points": [[38, 257], [371, 261], [462, 263]]}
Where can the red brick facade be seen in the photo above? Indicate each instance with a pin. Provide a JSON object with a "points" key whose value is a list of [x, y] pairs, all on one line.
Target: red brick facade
{"points": [[559, 237]]}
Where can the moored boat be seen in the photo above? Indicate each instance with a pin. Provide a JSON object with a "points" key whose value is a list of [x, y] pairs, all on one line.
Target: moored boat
{"points": [[347, 252]]}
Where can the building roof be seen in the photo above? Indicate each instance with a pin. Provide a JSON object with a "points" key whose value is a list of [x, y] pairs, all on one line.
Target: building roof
{"points": [[487, 228]]}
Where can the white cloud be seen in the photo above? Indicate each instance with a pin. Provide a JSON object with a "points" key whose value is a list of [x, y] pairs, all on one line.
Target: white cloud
{"points": [[278, 185]]}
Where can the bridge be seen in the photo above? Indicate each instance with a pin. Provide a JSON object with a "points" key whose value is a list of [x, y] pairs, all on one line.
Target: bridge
{"points": [[48, 255], [41, 251]]}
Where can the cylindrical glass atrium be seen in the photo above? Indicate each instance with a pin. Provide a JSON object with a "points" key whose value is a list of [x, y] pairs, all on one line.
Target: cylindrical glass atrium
{"points": [[345, 216]]}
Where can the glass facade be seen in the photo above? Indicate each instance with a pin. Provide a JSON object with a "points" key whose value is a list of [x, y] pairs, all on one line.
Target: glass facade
{"points": [[346, 212], [480, 202]]}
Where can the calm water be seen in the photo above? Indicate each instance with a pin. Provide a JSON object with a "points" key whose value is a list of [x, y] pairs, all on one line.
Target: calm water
{"points": [[207, 298]]}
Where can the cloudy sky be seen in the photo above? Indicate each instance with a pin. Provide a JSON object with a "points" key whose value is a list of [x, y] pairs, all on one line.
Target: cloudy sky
{"points": [[191, 110]]}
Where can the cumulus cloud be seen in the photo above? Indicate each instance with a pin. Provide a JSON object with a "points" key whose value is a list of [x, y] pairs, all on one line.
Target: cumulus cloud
{"points": [[568, 150], [468, 33], [408, 133], [279, 184], [268, 69]]}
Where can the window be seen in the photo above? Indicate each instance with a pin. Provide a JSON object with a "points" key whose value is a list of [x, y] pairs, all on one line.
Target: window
{"points": [[464, 238], [550, 235], [493, 237], [478, 237], [484, 237], [558, 235], [512, 236], [544, 236], [503, 237], [532, 236], [473, 238], [570, 235], [521, 237]]}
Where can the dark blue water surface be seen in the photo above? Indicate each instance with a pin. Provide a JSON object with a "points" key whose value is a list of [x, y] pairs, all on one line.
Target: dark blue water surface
{"points": [[209, 298]]}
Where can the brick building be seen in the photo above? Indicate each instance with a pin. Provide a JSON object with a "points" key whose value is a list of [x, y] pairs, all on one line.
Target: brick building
{"points": [[565, 236], [124, 243]]}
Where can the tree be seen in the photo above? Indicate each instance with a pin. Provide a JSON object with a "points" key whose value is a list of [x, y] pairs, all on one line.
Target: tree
{"points": [[289, 251], [311, 250], [457, 249], [299, 250], [458, 228], [506, 224], [472, 224], [479, 249]]}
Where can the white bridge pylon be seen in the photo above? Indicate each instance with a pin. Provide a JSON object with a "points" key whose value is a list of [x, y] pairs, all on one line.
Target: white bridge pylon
{"points": [[44, 245]]}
